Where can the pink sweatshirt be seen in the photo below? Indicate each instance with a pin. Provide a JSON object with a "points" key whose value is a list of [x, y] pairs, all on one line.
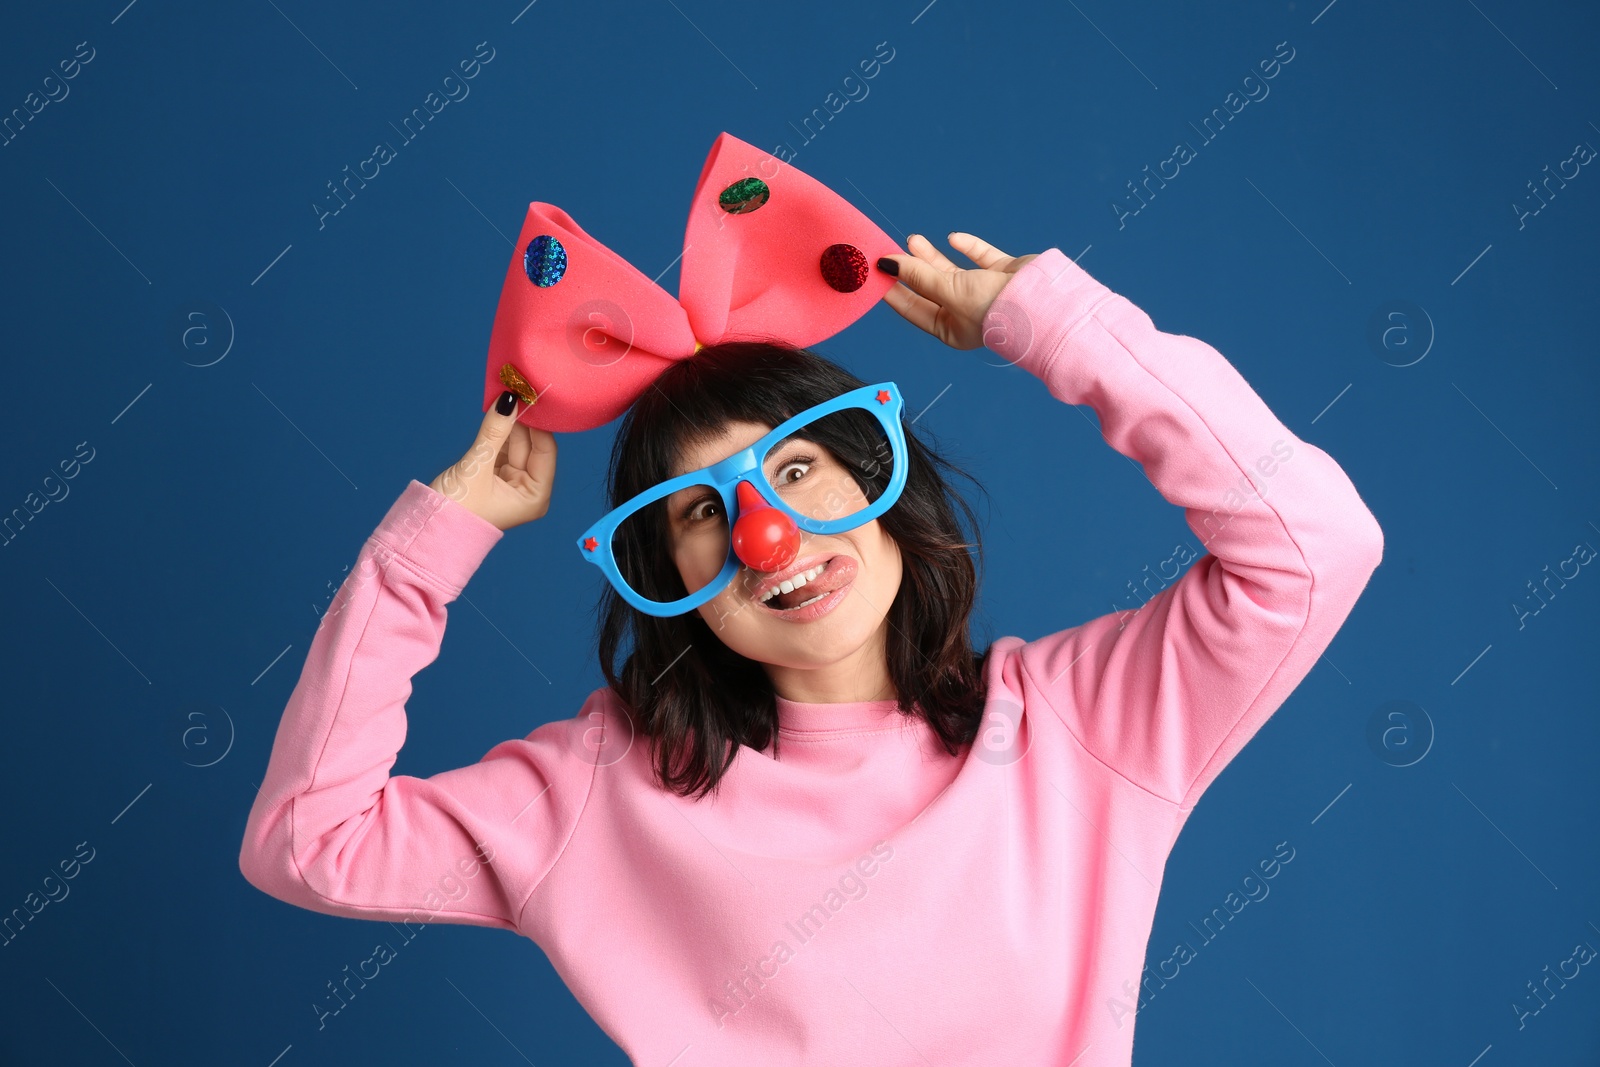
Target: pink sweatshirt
{"points": [[867, 898]]}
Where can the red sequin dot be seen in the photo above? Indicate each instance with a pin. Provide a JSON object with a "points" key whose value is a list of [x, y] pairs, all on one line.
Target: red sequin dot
{"points": [[844, 267]]}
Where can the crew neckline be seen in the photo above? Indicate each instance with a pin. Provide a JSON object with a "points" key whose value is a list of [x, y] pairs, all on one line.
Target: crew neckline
{"points": [[797, 716]]}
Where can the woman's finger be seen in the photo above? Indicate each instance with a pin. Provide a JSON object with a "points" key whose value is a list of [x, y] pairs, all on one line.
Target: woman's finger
{"points": [[536, 481], [484, 454], [541, 458], [979, 251], [925, 250], [517, 447], [922, 278]]}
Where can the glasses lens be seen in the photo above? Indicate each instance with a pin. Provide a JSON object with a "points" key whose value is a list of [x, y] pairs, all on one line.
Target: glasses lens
{"points": [[673, 547], [832, 467]]}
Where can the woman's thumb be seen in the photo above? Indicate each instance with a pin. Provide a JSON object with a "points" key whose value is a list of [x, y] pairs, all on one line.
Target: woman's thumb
{"points": [[492, 433]]}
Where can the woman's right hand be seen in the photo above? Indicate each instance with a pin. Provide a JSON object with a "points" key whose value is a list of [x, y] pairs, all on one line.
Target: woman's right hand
{"points": [[507, 475]]}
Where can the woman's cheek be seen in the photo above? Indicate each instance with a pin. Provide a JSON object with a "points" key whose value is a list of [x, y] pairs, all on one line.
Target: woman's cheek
{"points": [[697, 572]]}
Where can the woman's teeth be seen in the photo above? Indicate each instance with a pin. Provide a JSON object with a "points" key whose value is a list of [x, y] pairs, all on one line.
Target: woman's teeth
{"points": [[789, 585]]}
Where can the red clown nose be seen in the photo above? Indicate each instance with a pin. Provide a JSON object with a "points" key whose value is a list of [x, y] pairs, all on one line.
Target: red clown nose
{"points": [[764, 538]]}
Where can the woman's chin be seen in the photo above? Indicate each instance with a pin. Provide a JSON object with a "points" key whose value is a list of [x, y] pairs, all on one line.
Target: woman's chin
{"points": [[821, 641]]}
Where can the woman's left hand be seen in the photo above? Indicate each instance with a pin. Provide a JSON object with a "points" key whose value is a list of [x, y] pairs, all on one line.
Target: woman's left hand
{"points": [[944, 299]]}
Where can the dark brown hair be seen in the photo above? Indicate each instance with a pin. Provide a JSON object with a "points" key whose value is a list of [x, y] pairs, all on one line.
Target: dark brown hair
{"points": [[696, 699]]}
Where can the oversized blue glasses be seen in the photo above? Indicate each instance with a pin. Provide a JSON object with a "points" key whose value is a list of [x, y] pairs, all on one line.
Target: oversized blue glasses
{"points": [[830, 468]]}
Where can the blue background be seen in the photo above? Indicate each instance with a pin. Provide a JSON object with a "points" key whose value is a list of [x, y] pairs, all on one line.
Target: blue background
{"points": [[157, 616]]}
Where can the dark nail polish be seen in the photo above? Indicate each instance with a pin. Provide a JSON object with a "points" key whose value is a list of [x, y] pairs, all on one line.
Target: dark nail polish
{"points": [[889, 266], [507, 403]]}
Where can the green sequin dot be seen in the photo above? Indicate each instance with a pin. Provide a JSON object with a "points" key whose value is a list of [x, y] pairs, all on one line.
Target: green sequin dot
{"points": [[743, 196]]}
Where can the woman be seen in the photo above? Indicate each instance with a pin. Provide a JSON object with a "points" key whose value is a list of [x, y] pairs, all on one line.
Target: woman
{"points": [[786, 840]]}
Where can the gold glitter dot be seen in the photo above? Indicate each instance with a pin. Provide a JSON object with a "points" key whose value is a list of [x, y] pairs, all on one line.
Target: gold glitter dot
{"points": [[514, 381]]}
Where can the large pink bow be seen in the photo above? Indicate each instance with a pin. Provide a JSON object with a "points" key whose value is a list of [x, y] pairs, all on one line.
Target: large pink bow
{"points": [[770, 253]]}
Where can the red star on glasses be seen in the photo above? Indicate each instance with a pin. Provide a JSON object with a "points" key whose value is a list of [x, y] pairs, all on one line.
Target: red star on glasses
{"points": [[883, 396], [590, 544]]}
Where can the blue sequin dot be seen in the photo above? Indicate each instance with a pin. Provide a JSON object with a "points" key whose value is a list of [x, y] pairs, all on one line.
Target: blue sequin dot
{"points": [[545, 260]]}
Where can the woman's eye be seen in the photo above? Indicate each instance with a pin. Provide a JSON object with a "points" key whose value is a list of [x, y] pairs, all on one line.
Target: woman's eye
{"points": [[783, 471], [693, 513]]}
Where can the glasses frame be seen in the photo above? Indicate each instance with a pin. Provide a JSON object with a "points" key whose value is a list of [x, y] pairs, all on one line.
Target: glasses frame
{"points": [[883, 400]]}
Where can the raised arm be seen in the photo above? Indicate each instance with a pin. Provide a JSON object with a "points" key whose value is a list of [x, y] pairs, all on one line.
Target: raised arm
{"points": [[1166, 695], [331, 830]]}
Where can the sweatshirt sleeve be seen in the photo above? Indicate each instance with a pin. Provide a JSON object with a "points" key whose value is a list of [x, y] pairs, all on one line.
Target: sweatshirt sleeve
{"points": [[1166, 694], [331, 829]]}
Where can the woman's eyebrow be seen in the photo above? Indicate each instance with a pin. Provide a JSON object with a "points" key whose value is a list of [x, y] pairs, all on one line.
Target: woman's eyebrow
{"points": [[797, 435], [686, 493]]}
